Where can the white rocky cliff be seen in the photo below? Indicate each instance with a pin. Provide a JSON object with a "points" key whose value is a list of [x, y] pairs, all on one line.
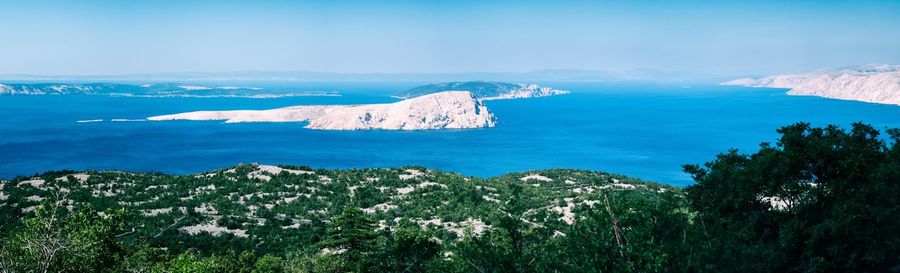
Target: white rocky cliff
{"points": [[868, 83], [444, 110]]}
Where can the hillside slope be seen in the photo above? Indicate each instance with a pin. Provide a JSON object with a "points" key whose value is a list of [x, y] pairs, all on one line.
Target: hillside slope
{"points": [[271, 207]]}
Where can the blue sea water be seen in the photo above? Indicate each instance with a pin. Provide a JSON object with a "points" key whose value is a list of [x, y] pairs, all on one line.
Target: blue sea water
{"points": [[641, 130]]}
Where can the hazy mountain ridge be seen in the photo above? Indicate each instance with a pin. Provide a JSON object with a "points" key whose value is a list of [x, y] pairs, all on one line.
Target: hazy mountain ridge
{"points": [[530, 76], [146, 90], [63, 89], [877, 83]]}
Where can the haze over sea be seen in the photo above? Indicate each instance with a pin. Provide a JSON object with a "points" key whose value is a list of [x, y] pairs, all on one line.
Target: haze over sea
{"points": [[641, 130]]}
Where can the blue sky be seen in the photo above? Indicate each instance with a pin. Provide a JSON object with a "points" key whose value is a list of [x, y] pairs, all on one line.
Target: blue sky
{"points": [[713, 38]]}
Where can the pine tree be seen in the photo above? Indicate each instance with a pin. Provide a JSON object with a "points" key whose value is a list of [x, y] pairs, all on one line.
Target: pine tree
{"points": [[351, 235]]}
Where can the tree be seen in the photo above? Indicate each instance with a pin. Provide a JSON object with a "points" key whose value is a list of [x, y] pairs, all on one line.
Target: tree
{"points": [[819, 200], [299, 262], [142, 260], [511, 245], [190, 263], [351, 235], [626, 231], [408, 250], [268, 264], [55, 240]]}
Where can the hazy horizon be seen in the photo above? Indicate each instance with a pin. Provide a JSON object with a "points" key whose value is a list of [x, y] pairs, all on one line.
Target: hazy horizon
{"points": [[708, 39]]}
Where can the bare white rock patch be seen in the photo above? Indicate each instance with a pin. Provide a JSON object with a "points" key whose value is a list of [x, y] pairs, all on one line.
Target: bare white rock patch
{"points": [[408, 189], [155, 212], [34, 198], [37, 183], [410, 174], [80, 177], [379, 207], [265, 172], [476, 225], [536, 177], [213, 229]]}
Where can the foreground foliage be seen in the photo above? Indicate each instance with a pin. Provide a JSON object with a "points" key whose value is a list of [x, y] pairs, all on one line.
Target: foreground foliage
{"points": [[818, 200]]}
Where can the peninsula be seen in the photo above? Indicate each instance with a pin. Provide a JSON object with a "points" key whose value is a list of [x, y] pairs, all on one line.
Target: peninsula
{"points": [[877, 83]]}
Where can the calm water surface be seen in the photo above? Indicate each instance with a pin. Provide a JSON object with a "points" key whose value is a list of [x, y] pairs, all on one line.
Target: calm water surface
{"points": [[641, 130]]}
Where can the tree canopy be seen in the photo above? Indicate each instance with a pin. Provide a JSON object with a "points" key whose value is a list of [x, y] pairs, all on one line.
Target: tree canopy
{"points": [[818, 200]]}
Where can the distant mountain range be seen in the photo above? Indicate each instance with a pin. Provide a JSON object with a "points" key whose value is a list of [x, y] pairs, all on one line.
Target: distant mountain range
{"points": [[539, 75], [146, 90], [876, 83]]}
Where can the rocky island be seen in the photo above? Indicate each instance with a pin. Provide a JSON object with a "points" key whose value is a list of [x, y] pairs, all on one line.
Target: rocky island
{"points": [[444, 110], [486, 90], [869, 83], [452, 105]]}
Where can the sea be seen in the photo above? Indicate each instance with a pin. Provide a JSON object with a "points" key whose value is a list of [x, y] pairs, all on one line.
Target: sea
{"points": [[642, 130]]}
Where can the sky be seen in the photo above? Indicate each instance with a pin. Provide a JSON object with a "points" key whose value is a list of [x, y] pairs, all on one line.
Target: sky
{"points": [[714, 38]]}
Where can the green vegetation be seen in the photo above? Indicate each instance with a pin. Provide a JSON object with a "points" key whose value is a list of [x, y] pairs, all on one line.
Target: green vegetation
{"points": [[829, 203], [484, 90], [818, 200], [479, 89]]}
